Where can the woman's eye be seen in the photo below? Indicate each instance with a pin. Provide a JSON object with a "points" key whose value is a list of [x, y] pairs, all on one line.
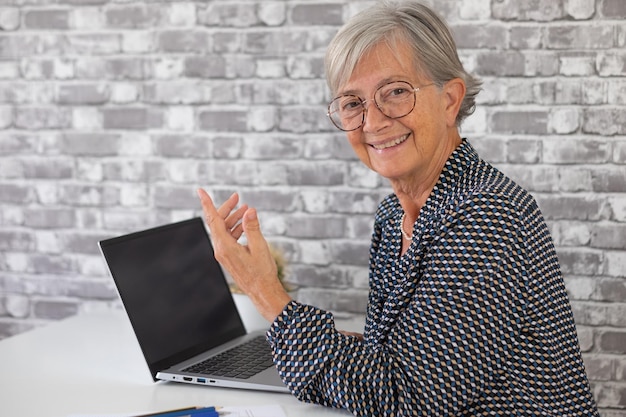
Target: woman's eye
{"points": [[351, 105]]}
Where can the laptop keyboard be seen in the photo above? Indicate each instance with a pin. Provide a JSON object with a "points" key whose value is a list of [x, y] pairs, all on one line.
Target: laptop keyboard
{"points": [[242, 361]]}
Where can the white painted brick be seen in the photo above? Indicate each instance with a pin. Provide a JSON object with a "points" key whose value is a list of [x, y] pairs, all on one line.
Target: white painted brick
{"points": [[138, 41], [272, 13], [564, 121], [86, 118], [9, 18], [17, 305], [88, 18], [181, 14], [475, 9], [180, 118], [136, 144], [580, 9]]}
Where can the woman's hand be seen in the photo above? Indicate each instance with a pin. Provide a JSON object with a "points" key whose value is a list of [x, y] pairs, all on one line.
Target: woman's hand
{"points": [[252, 266]]}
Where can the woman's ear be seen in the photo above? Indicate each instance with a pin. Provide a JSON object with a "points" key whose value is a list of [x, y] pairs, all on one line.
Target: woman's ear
{"points": [[454, 93]]}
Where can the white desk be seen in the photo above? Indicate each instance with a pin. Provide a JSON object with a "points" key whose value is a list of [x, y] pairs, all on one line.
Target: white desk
{"points": [[92, 364]]}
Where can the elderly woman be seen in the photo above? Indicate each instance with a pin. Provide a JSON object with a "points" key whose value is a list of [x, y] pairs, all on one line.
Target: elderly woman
{"points": [[468, 314]]}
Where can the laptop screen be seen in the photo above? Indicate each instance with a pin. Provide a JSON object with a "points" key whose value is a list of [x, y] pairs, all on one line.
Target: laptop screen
{"points": [[173, 290]]}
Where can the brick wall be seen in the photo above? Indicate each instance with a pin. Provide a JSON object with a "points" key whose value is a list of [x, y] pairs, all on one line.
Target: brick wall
{"points": [[113, 112]]}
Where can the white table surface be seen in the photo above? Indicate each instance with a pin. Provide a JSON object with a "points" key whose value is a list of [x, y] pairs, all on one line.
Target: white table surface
{"points": [[92, 364]]}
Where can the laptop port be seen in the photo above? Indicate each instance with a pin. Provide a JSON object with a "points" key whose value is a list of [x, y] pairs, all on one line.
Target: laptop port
{"points": [[188, 378], [201, 380]]}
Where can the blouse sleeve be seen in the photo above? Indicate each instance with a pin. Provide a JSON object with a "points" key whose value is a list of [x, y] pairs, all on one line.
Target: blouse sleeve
{"points": [[440, 339]]}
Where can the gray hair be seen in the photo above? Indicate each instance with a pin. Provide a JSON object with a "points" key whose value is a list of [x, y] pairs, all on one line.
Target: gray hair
{"points": [[389, 21]]}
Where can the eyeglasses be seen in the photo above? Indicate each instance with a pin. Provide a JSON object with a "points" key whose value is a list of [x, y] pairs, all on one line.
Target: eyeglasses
{"points": [[395, 99]]}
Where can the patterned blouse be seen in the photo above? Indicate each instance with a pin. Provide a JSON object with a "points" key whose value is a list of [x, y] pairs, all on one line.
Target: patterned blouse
{"points": [[473, 320]]}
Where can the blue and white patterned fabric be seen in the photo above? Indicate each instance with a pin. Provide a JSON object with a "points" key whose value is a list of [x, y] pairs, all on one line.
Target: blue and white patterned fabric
{"points": [[473, 320]]}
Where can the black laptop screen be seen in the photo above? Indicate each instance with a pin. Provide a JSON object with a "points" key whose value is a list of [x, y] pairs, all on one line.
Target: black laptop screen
{"points": [[173, 290]]}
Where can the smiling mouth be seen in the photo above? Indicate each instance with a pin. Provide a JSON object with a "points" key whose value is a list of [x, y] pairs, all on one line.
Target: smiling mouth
{"points": [[391, 143]]}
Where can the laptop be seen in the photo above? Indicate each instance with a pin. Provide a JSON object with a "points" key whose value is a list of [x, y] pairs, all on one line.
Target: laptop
{"points": [[180, 308]]}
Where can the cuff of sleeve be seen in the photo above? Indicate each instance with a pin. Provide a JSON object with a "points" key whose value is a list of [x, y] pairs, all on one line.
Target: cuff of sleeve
{"points": [[282, 321]]}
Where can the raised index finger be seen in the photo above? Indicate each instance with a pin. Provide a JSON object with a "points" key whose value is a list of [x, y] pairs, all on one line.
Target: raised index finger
{"points": [[212, 216]]}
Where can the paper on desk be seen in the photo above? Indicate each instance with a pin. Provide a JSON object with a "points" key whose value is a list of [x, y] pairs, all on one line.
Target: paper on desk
{"points": [[233, 411]]}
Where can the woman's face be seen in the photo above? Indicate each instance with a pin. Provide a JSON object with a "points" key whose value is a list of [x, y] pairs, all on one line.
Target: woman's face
{"points": [[411, 148]]}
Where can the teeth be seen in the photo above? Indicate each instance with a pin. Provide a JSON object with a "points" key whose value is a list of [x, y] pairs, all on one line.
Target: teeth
{"points": [[392, 143]]}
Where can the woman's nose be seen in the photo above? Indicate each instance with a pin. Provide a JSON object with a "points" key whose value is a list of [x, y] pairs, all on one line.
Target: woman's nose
{"points": [[374, 119]]}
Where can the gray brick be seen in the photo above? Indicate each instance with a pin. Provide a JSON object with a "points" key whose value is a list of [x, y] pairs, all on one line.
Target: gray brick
{"points": [[227, 147], [354, 202], [46, 19], [320, 277], [274, 43], [301, 120], [205, 67], [612, 64], [99, 144], [568, 207], [55, 309], [542, 10], [612, 290], [175, 197], [177, 92], [183, 41], [231, 15], [35, 118], [51, 264], [613, 9], [612, 341], [609, 179], [502, 63], [272, 147], [574, 178], [13, 193], [525, 37], [350, 252], [84, 243], [575, 37], [568, 151], [134, 171], [88, 195], [53, 218], [16, 241], [132, 118], [309, 67], [475, 36], [523, 151], [528, 122], [183, 146], [580, 261], [49, 168], [609, 236], [91, 44], [223, 120], [320, 174], [600, 368], [317, 14], [316, 227], [271, 200], [132, 16], [353, 301], [83, 94]]}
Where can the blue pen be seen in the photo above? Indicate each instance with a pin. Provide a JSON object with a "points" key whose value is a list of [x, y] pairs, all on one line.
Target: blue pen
{"points": [[203, 413], [184, 412]]}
